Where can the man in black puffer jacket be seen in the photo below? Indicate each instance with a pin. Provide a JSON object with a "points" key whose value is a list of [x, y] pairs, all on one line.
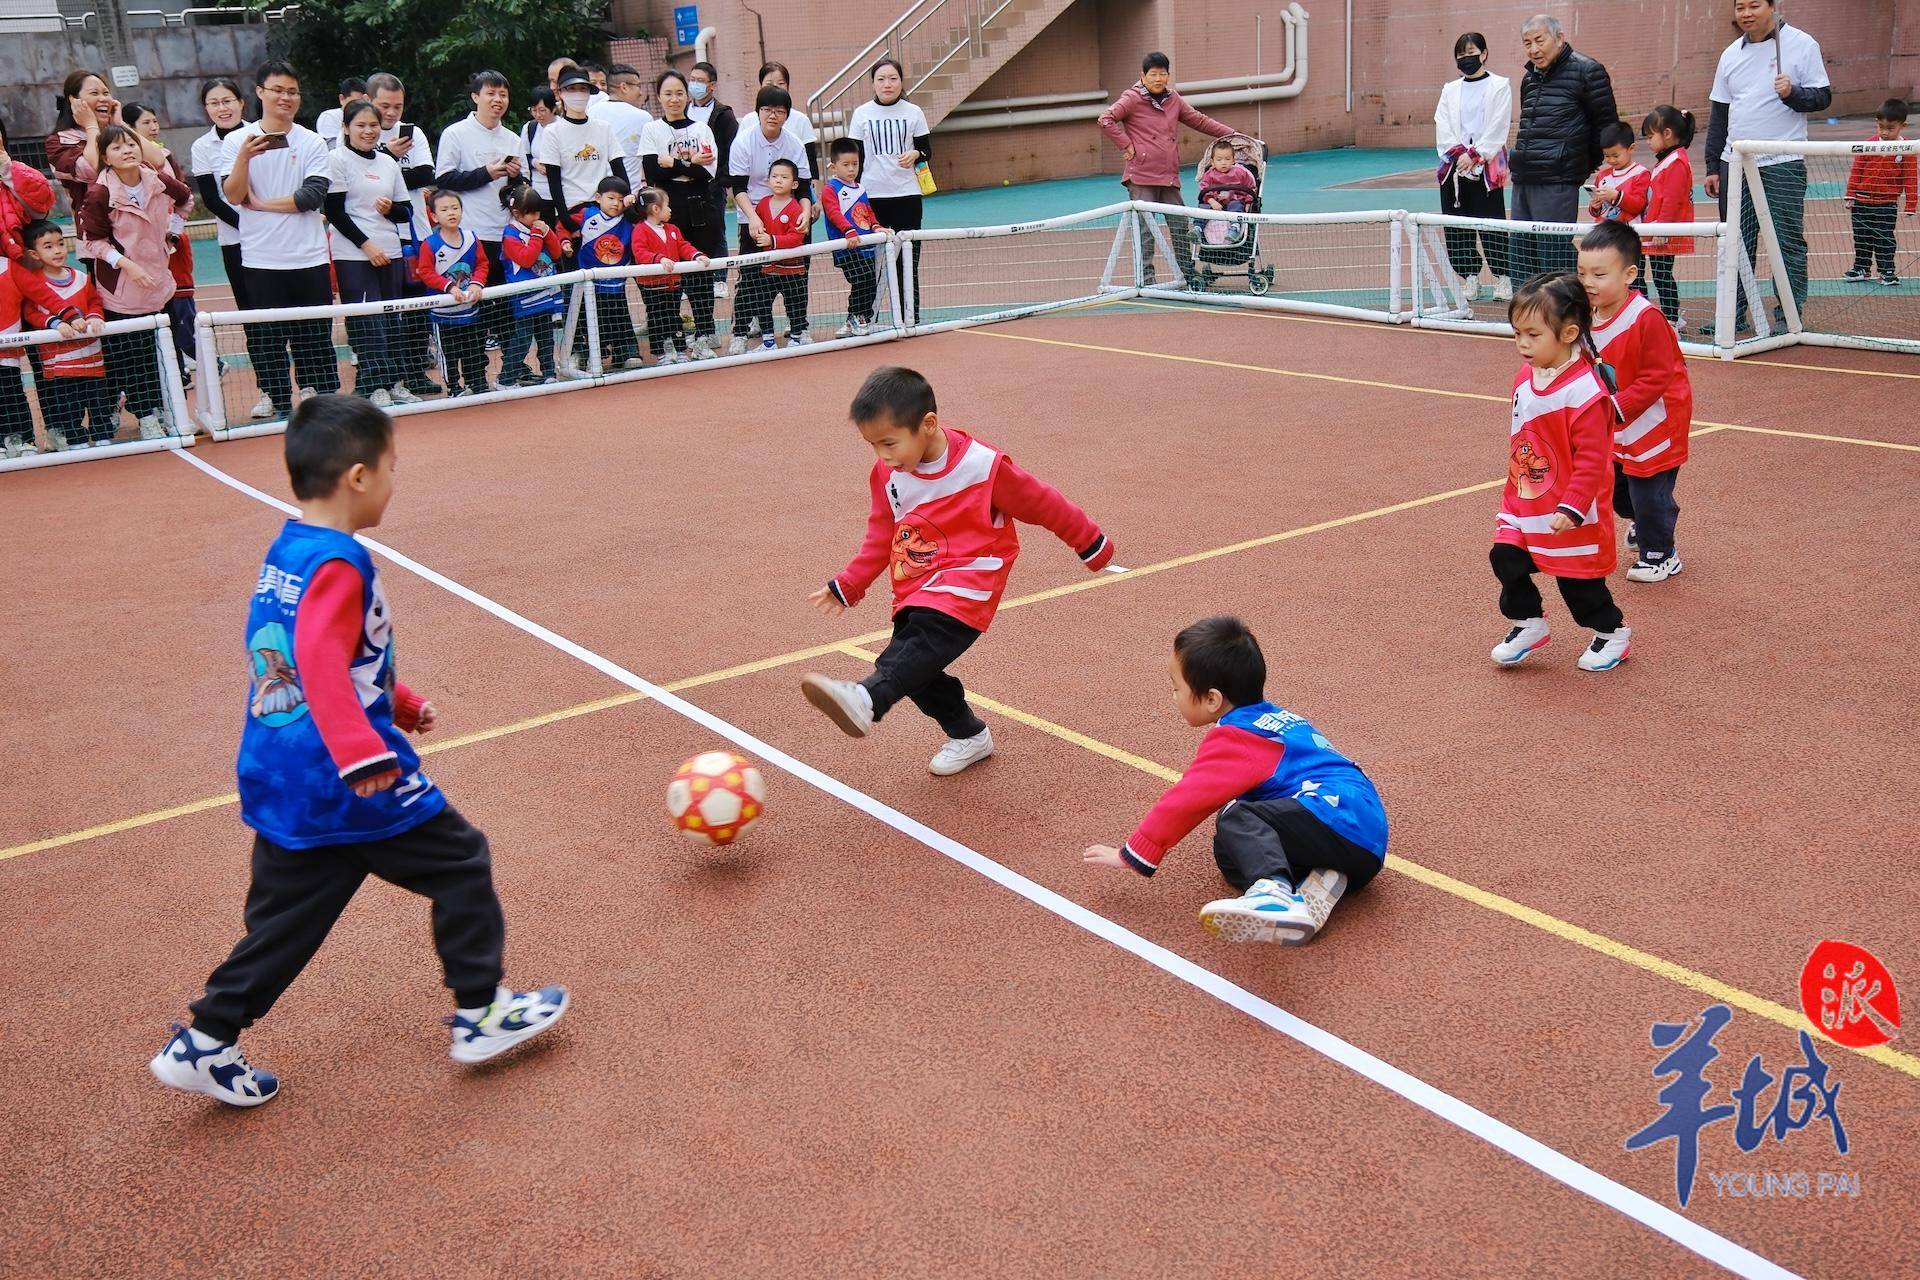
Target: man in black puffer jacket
{"points": [[1566, 98]]}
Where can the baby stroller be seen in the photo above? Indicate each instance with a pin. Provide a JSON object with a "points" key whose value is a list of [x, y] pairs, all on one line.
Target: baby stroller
{"points": [[1224, 247]]}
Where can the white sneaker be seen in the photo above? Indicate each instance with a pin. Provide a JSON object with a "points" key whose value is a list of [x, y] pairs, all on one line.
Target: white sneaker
{"points": [[57, 440], [17, 446], [766, 343], [1321, 892], [196, 1063], [399, 394], [634, 362], [844, 331], [1522, 640], [513, 1017], [846, 703], [1267, 912], [1472, 290], [262, 409], [150, 428], [1503, 289], [1645, 570], [737, 347], [861, 327], [381, 399], [305, 393], [703, 349], [1680, 327], [189, 365], [1608, 650], [800, 339], [961, 753]]}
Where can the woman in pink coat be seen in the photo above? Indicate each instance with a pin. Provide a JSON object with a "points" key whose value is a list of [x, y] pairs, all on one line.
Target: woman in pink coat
{"points": [[1145, 125], [123, 224]]}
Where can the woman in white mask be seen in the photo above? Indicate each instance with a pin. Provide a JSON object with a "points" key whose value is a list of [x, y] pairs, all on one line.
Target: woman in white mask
{"points": [[703, 104], [576, 152]]}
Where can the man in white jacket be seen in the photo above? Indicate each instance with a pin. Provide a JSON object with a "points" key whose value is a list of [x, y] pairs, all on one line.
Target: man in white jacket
{"points": [[1470, 132]]}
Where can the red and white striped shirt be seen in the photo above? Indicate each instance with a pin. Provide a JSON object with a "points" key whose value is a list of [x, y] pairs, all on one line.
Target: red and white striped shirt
{"points": [[946, 536], [77, 299], [1655, 396], [20, 288], [1633, 183], [1559, 451]]}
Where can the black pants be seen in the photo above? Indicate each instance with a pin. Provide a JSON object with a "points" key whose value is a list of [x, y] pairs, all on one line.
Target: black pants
{"points": [[407, 337], [310, 342], [297, 894], [1533, 254], [662, 303], [903, 213], [496, 314], [617, 339], [1467, 248], [863, 282], [80, 409], [236, 277], [914, 665], [133, 366], [371, 336], [709, 236], [1873, 236], [1280, 840], [1648, 501], [463, 347], [1663, 288], [182, 315], [1588, 599], [791, 290], [1786, 188], [16, 415]]}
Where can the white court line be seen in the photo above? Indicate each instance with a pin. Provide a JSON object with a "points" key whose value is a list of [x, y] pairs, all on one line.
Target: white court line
{"points": [[1562, 1168]]}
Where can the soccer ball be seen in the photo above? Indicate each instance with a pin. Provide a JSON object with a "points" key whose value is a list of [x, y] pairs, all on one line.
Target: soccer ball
{"points": [[715, 796]]}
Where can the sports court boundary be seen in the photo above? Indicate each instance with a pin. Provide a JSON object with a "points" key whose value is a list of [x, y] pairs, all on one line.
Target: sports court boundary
{"points": [[1562, 1168]]}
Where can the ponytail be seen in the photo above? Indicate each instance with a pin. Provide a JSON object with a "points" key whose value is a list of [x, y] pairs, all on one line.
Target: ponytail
{"points": [[1561, 301], [1669, 118]]}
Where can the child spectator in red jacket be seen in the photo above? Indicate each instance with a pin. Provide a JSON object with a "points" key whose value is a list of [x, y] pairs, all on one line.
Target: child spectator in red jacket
{"points": [[1875, 186], [657, 242], [76, 404], [1669, 131], [785, 219]]}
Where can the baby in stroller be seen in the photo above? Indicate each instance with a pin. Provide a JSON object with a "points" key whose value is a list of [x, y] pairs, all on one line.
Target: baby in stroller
{"points": [[1229, 186]]}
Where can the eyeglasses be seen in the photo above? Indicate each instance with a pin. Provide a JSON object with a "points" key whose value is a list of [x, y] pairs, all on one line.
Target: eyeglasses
{"points": [[280, 93]]}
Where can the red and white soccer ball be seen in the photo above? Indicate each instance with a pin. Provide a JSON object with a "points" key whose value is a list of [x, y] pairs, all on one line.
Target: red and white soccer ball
{"points": [[715, 797]]}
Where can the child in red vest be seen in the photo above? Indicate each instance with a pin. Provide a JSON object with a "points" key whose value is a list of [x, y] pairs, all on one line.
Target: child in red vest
{"points": [[76, 404], [1875, 185], [942, 526], [785, 220], [655, 242], [1556, 513], [1620, 187], [1654, 395], [1669, 131]]}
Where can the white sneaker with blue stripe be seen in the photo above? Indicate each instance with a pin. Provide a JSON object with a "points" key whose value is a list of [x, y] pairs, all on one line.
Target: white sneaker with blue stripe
{"points": [[514, 1016], [194, 1062], [1268, 911]]}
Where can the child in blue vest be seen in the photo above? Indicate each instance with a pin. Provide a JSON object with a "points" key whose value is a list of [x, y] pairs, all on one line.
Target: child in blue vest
{"points": [[532, 250], [606, 240], [1299, 822], [452, 262], [331, 786]]}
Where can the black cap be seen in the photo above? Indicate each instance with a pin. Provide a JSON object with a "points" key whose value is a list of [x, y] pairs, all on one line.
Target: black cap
{"points": [[574, 75]]}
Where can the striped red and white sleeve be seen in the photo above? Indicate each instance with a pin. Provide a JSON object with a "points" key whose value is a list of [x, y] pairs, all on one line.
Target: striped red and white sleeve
{"points": [[326, 637], [1031, 500], [1656, 362], [1230, 763], [875, 548]]}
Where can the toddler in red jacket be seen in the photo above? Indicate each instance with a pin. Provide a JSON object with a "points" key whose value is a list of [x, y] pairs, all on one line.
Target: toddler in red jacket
{"points": [[942, 527]]}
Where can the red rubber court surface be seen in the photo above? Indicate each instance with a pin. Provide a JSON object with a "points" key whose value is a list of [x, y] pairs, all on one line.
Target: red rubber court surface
{"points": [[842, 1047]]}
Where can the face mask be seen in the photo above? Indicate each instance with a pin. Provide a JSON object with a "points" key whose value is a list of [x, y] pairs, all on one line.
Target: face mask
{"points": [[576, 102], [1469, 64], [699, 92]]}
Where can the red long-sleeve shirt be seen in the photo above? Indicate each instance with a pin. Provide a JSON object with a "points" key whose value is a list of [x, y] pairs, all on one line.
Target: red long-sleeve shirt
{"points": [[1633, 183], [1559, 460], [947, 533], [326, 638], [24, 196], [656, 242], [1230, 763], [1655, 396], [789, 231], [1884, 180]]}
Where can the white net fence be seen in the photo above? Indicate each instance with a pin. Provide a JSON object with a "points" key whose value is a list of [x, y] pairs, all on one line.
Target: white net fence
{"points": [[90, 388]]}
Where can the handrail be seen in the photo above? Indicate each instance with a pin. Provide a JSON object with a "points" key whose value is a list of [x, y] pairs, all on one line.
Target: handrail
{"points": [[834, 87]]}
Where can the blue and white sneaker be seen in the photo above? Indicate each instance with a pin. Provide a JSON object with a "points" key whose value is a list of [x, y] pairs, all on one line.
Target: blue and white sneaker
{"points": [[197, 1063], [514, 1016], [1267, 912]]}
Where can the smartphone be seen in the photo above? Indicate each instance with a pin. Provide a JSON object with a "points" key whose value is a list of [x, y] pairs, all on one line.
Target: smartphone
{"points": [[406, 131], [275, 141]]}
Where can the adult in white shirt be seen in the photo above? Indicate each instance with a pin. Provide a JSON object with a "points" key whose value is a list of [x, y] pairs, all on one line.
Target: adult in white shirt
{"points": [[893, 138], [330, 123], [413, 150], [679, 156], [621, 111], [576, 152], [1470, 132], [226, 112], [274, 173], [1767, 84], [366, 206], [479, 157], [543, 108], [755, 149], [799, 123]]}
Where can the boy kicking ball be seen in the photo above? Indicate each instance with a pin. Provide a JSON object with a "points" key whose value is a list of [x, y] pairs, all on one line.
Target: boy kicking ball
{"points": [[331, 786], [942, 525], [1299, 823]]}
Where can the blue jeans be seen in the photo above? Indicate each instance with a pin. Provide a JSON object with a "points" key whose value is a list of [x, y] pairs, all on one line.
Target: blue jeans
{"points": [[1648, 501]]}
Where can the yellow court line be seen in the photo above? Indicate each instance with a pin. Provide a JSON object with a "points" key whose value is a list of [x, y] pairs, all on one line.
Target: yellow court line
{"points": [[1565, 930], [1261, 313], [1699, 428]]}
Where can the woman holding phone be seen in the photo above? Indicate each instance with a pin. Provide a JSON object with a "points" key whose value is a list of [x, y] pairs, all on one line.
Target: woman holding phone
{"points": [[679, 155]]}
